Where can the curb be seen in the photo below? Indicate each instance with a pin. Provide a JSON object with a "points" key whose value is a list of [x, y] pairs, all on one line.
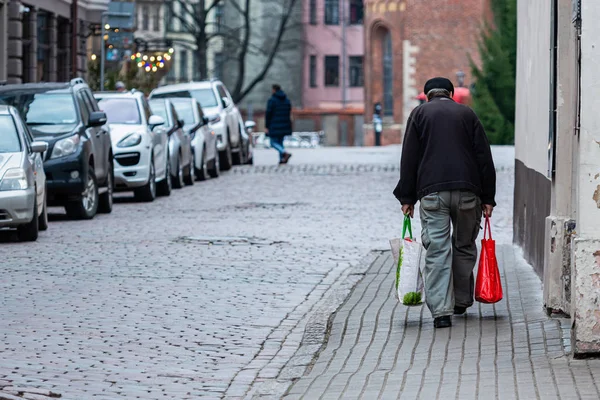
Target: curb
{"points": [[314, 329]]}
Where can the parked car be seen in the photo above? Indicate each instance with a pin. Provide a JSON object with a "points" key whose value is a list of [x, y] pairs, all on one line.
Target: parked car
{"points": [[22, 177], [204, 139], [139, 143], [79, 160], [180, 143], [218, 106]]}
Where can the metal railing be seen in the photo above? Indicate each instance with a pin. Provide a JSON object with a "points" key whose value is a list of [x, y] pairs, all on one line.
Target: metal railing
{"points": [[306, 140]]}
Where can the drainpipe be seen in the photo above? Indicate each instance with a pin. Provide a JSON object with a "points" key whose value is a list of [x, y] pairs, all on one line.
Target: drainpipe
{"points": [[343, 15], [74, 34]]}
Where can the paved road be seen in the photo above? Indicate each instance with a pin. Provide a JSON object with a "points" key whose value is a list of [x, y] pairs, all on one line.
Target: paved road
{"points": [[201, 293]]}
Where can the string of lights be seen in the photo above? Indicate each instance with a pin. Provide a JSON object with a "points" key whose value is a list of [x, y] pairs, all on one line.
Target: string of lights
{"points": [[152, 62]]}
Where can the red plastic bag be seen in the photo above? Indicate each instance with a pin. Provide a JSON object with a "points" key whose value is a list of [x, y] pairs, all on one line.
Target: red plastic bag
{"points": [[488, 288]]}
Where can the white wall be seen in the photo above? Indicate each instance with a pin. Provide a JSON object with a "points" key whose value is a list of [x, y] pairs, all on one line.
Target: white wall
{"points": [[588, 225], [533, 84]]}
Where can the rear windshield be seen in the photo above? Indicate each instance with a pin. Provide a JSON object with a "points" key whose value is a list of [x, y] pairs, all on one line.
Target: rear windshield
{"points": [[121, 111], [206, 97], [9, 137], [185, 111], [43, 108]]}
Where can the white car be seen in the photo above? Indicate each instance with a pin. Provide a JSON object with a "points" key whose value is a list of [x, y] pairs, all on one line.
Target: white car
{"points": [[22, 178], [140, 145], [204, 139], [218, 106]]}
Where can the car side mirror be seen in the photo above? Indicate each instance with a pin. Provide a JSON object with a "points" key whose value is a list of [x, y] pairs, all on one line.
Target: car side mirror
{"points": [[39, 147], [249, 125], [180, 123], [155, 121], [204, 120], [97, 118], [226, 102]]}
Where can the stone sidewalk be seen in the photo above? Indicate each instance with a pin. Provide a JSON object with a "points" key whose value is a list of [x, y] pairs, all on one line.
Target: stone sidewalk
{"points": [[379, 349]]}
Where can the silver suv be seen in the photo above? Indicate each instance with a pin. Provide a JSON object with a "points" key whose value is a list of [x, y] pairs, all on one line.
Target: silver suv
{"points": [[22, 178], [223, 115]]}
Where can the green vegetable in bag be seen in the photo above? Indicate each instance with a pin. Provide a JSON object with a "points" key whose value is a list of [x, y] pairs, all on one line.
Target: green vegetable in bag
{"points": [[412, 299]]}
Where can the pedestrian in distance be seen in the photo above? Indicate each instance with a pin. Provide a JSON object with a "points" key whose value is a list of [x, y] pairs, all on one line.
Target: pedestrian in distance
{"points": [[278, 122], [447, 165], [120, 87]]}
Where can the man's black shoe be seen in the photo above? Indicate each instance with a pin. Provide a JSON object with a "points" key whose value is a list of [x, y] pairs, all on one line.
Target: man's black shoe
{"points": [[458, 310], [442, 322]]}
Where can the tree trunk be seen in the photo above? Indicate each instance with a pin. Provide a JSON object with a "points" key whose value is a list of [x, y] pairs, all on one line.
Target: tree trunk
{"points": [[201, 54]]}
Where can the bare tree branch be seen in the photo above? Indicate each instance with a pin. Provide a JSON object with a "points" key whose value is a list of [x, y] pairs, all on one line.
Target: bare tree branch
{"points": [[238, 95]]}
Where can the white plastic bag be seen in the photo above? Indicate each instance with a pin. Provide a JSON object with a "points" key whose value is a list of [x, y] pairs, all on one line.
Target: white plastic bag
{"points": [[408, 257]]}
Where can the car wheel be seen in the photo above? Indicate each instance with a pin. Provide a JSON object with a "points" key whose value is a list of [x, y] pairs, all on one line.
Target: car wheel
{"points": [[86, 206], [147, 192], [178, 177], [215, 169], [165, 186], [43, 218], [188, 178], [249, 156], [29, 232], [238, 156], [226, 158], [202, 173], [106, 199]]}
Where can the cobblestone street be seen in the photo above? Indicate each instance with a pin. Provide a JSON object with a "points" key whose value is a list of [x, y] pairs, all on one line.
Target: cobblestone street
{"points": [[207, 293]]}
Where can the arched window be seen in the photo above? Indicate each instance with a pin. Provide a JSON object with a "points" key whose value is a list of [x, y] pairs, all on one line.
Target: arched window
{"points": [[388, 75]]}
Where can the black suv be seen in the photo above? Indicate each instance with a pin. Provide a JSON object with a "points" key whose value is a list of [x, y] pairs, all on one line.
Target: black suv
{"points": [[79, 161]]}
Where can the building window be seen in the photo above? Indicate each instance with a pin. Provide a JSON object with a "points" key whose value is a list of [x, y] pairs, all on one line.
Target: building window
{"points": [[156, 19], [145, 18], [332, 12], [43, 50], [356, 71], [62, 52], [313, 12], [388, 76], [332, 70], [313, 71], [170, 16], [219, 16], [183, 65], [356, 12], [218, 69]]}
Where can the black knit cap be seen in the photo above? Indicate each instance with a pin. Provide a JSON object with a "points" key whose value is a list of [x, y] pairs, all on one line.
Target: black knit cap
{"points": [[439, 83]]}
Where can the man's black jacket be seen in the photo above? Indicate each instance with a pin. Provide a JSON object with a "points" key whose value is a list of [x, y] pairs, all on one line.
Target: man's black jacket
{"points": [[445, 148]]}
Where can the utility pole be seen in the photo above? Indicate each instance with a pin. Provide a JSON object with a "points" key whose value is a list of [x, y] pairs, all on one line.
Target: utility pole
{"points": [[102, 51], [343, 11], [74, 39]]}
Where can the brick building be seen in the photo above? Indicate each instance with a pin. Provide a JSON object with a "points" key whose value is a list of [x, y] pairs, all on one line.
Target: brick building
{"points": [[409, 41]]}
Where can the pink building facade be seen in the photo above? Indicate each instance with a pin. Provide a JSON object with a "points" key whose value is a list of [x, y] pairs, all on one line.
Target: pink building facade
{"points": [[333, 65], [328, 25]]}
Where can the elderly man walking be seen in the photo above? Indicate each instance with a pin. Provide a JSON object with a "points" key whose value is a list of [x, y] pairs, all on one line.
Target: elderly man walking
{"points": [[447, 165], [278, 122]]}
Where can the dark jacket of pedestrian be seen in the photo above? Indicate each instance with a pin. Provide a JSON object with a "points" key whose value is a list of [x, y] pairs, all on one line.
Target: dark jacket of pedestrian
{"points": [[445, 148], [278, 116]]}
